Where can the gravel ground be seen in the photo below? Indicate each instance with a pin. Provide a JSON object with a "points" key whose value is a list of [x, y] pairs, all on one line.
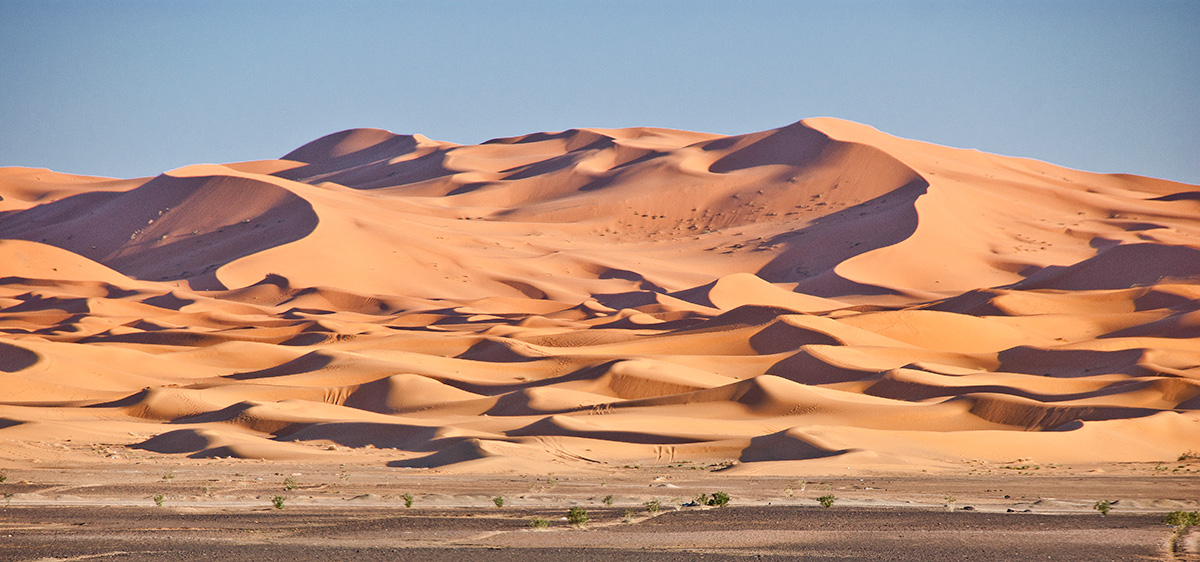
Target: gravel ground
{"points": [[731, 533]]}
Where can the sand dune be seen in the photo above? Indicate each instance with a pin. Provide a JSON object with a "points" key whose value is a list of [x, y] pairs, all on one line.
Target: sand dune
{"points": [[817, 295]]}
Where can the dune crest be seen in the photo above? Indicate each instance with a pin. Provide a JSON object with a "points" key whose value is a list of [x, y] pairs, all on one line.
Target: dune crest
{"points": [[817, 295]]}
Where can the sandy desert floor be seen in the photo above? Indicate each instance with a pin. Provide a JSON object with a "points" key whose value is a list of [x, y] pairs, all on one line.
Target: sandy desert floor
{"points": [[818, 301], [222, 509]]}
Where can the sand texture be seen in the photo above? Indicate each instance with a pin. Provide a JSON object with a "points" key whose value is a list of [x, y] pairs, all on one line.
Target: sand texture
{"points": [[809, 298]]}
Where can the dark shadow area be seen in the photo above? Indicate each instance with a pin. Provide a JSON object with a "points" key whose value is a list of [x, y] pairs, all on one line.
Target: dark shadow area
{"points": [[793, 145], [1072, 363], [547, 426], [169, 301], [806, 369], [910, 391], [174, 442], [1041, 417], [124, 230], [810, 254], [643, 283], [306, 363], [1120, 267], [784, 447], [380, 435]]}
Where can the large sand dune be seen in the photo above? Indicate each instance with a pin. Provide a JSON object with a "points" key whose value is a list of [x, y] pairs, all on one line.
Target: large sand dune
{"points": [[807, 297]]}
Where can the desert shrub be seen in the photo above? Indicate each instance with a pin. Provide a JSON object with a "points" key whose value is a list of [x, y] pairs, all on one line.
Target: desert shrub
{"points": [[608, 500], [408, 499], [577, 516], [158, 499], [718, 499], [629, 515], [289, 483], [277, 501], [538, 523], [1103, 506], [499, 501], [1182, 519], [826, 500], [653, 506]]}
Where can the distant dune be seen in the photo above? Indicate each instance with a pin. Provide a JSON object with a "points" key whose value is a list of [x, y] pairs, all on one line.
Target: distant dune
{"points": [[816, 295]]}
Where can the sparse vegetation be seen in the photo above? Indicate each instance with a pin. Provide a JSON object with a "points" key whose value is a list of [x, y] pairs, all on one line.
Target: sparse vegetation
{"points": [[289, 483], [3, 477], [577, 516], [408, 499], [277, 501], [169, 476], [653, 506], [549, 483], [538, 523], [499, 501], [718, 499], [826, 500], [1182, 519], [608, 500], [628, 515], [158, 499], [1103, 506], [1189, 455]]}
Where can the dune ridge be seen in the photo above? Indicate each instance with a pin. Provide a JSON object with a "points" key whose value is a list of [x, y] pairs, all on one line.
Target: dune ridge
{"points": [[821, 294]]}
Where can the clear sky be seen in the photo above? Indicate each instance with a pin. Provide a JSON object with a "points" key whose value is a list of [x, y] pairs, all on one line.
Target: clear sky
{"points": [[135, 88]]}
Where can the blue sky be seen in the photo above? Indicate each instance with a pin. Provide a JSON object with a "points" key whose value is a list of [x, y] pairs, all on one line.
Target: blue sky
{"points": [[135, 88]]}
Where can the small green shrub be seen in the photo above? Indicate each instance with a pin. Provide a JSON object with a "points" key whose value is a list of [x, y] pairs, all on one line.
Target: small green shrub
{"points": [[1182, 519], [718, 499], [826, 500], [408, 499], [628, 515], [499, 501], [3, 477], [608, 500], [158, 499], [277, 501], [1189, 455], [1103, 506], [577, 516], [538, 523], [653, 506], [701, 499], [169, 476], [289, 483]]}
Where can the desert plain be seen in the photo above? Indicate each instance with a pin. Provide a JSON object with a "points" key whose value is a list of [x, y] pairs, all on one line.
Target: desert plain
{"points": [[966, 351]]}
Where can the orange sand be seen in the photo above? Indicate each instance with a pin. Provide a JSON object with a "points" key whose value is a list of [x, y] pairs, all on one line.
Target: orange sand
{"points": [[817, 295]]}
